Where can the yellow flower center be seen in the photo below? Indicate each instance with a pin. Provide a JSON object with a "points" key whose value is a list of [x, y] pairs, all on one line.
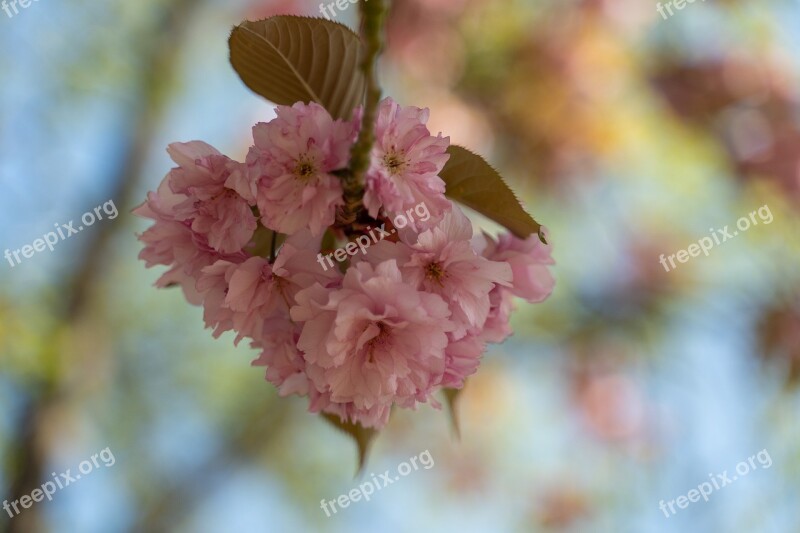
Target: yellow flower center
{"points": [[394, 162], [435, 272], [305, 169]]}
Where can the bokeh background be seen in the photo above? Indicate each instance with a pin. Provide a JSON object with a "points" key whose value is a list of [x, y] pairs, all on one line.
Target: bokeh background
{"points": [[628, 135]]}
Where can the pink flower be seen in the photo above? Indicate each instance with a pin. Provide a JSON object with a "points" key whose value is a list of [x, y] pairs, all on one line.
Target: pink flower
{"points": [[442, 261], [462, 359], [244, 296], [497, 327], [374, 342], [292, 161], [410, 315], [286, 368], [163, 239], [173, 243], [213, 288], [406, 161], [215, 211], [529, 260], [255, 293]]}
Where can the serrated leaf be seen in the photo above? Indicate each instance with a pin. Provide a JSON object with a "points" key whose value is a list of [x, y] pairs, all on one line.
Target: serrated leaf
{"points": [[473, 182], [362, 436], [288, 59], [451, 395]]}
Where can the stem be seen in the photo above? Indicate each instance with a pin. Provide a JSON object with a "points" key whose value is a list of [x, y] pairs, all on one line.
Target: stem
{"points": [[272, 247], [373, 13]]}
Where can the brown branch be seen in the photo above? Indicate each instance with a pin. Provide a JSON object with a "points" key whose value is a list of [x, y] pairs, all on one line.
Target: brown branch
{"points": [[373, 13]]}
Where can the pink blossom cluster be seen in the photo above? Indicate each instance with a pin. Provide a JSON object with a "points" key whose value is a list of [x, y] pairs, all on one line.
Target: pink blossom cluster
{"points": [[399, 323]]}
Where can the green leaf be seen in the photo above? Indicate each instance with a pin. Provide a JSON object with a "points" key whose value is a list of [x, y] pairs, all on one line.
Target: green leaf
{"points": [[288, 59], [451, 395], [361, 435], [328, 242], [261, 245], [473, 182]]}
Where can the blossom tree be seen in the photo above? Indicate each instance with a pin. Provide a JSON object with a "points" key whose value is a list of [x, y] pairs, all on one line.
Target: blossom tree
{"points": [[404, 316]]}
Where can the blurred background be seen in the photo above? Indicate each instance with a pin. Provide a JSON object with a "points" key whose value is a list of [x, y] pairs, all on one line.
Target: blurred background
{"points": [[628, 134]]}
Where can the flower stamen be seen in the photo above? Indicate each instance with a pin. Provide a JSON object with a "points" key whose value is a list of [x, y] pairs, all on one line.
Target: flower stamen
{"points": [[305, 169], [436, 273], [394, 162]]}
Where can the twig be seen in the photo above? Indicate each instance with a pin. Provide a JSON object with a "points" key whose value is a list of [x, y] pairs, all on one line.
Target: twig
{"points": [[272, 247], [373, 13]]}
